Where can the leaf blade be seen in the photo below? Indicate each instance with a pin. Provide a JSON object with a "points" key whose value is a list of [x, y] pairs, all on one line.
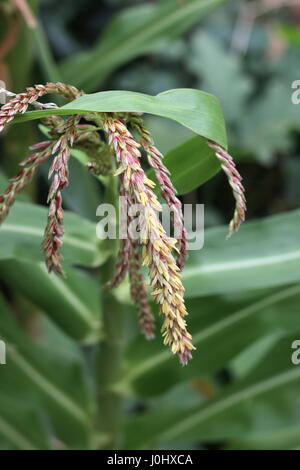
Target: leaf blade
{"points": [[22, 233], [135, 31], [222, 337], [71, 302], [229, 414], [191, 164], [263, 254], [194, 109]]}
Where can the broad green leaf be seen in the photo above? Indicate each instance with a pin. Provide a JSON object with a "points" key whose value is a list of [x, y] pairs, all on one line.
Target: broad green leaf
{"points": [[191, 164], [263, 254], [135, 31], [22, 233], [221, 329], [20, 425], [198, 111], [58, 385], [72, 303], [273, 387], [167, 134], [286, 438]]}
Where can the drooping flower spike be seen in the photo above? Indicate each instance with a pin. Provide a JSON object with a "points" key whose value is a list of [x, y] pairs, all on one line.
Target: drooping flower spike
{"points": [[139, 293], [23, 177], [162, 255], [165, 279], [62, 135], [59, 170], [235, 182], [19, 104], [167, 189], [126, 246]]}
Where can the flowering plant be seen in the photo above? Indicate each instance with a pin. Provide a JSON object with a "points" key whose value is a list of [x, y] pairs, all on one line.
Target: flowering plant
{"points": [[158, 249]]}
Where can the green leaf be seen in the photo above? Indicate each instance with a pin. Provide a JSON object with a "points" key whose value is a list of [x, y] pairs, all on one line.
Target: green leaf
{"points": [[15, 416], [221, 329], [194, 109], [191, 164], [22, 233], [72, 303], [286, 438], [135, 31], [59, 385], [234, 411], [263, 254]]}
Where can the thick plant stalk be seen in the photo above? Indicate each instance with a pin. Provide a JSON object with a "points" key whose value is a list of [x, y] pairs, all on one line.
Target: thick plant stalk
{"points": [[24, 177], [59, 169], [139, 294], [157, 255], [235, 181], [167, 189], [110, 352]]}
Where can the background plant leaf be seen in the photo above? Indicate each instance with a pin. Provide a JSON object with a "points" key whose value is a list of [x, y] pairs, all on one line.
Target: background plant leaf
{"points": [[221, 330], [51, 381], [22, 233], [135, 31], [72, 302], [272, 386], [263, 254]]}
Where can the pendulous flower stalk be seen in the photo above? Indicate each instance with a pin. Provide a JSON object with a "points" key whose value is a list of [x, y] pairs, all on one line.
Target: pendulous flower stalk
{"points": [[59, 170], [20, 103], [165, 278], [168, 192], [125, 250], [122, 264], [23, 177], [235, 181], [139, 294]]}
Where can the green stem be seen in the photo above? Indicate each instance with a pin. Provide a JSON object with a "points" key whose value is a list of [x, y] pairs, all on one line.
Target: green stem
{"points": [[109, 355]]}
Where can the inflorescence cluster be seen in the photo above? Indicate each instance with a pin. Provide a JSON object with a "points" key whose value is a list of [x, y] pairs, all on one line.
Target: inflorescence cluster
{"points": [[163, 256]]}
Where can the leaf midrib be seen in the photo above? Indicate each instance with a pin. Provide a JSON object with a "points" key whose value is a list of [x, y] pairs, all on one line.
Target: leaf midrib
{"points": [[238, 265]]}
